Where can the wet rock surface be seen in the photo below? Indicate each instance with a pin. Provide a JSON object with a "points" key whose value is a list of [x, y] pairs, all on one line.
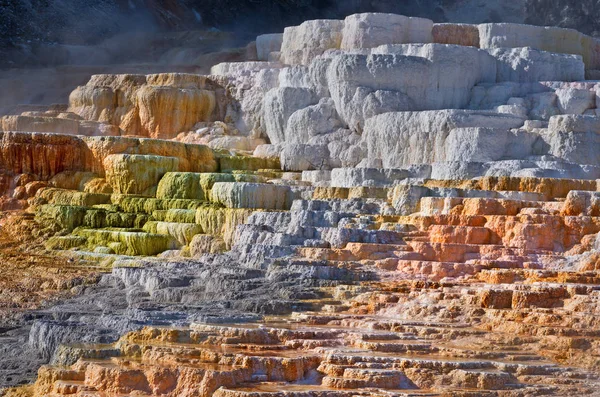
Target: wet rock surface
{"points": [[374, 208]]}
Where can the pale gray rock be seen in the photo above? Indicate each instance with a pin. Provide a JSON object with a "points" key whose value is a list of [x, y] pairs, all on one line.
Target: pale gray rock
{"points": [[536, 172], [406, 198], [297, 76], [373, 29], [578, 147], [357, 83], [575, 101], [546, 38], [313, 76], [543, 105], [515, 110], [275, 56], [340, 237], [508, 167], [317, 71], [316, 176], [344, 154], [422, 171], [487, 144], [318, 119], [574, 123], [301, 44], [303, 157], [516, 102], [514, 106], [248, 82], [404, 138], [268, 151], [533, 125], [276, 220], [345, 148], [354, 206], [372, 177], [382, 101], [457, 170], [252, 234], [414, 77], [341, 134], [357, 51], [268, 43], [279, 104], [525, 65], [488, 96], [540, 169], [46, 336], [307, 218], [370, 163], [470, 64], [235, 69]]}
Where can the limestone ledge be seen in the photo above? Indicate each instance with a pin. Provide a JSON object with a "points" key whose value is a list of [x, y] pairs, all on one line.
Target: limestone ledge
{"points": [[420, 215]]}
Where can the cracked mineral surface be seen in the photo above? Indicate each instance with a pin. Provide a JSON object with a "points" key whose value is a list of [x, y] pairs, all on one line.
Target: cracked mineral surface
{"points": [[375, 206]]}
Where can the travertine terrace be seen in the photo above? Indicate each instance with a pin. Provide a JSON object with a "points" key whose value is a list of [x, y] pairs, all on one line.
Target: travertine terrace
{"points": [[375, 206]]}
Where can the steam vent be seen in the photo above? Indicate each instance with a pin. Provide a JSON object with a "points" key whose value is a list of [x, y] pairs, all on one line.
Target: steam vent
{"points": [[374, 206]]}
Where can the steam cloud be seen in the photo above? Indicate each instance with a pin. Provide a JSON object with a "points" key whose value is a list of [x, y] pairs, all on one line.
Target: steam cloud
{"points": [[25, 25]]}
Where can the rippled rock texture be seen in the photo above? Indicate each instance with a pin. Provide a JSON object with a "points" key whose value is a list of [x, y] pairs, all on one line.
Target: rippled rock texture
{"points": [[377, 206]]}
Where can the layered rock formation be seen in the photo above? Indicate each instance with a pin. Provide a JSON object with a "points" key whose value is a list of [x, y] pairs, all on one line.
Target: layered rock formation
{"points": [[157, 106], [377, 206]]}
